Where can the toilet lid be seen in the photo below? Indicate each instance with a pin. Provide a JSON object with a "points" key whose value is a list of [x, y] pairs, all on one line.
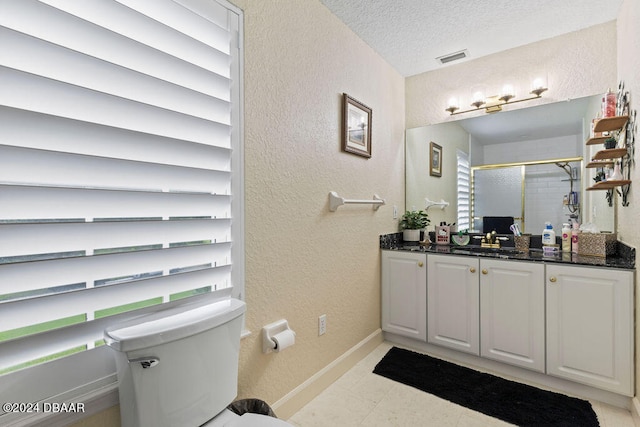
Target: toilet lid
{"points": [[257, 420]]}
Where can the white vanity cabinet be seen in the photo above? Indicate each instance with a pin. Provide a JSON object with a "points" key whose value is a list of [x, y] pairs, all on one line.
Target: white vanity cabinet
{"points": [[487, 307], [573, 322], [590, 326], [453, 302], [512, 317], [404, 294]]}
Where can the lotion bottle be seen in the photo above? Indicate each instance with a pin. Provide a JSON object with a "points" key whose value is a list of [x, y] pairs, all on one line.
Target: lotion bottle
{"points": [[566, 238], [548, 235], [574, 238]]}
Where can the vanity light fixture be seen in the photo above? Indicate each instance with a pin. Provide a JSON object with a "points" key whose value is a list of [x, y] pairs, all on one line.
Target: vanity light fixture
{"points": [[493, 104]]}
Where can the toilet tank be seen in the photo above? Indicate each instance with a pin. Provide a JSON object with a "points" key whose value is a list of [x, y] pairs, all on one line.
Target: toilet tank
{"points": [[178, 367]]}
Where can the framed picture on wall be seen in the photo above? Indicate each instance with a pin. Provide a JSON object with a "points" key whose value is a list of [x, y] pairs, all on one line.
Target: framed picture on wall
{"points": [[356, 123], [435, 159]]}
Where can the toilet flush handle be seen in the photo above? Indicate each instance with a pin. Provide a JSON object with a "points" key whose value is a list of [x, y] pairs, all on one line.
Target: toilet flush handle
{"points": [[146, 362]]}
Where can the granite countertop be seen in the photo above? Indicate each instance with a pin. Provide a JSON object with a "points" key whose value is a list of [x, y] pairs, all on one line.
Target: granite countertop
{"points": [[624, 257]]}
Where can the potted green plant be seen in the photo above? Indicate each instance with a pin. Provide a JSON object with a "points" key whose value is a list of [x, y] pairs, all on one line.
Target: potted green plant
{"points": [[610, 143], [412, 223], [600, 176]]}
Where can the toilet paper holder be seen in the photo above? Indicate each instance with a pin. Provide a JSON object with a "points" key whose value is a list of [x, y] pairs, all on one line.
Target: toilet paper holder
{"points": [[272, 329]]}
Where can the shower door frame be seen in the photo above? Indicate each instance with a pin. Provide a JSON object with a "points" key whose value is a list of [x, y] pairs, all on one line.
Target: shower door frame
{"points": [[523, 166]]}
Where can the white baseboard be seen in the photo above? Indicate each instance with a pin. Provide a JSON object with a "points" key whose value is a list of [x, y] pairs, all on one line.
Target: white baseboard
{"points": [[635, 411], [293, 401]]}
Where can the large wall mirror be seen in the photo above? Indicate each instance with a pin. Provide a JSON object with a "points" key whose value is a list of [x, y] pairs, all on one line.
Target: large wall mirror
{"points": [[527, 164]]}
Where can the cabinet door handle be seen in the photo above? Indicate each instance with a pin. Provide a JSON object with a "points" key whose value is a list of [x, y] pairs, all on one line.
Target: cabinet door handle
{"points": [[552, 279], [473, 270], [484, 271], [420, 264]]}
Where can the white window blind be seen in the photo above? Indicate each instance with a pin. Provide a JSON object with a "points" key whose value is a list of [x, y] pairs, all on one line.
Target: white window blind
{"points": [[463, 190], [119, 172]]}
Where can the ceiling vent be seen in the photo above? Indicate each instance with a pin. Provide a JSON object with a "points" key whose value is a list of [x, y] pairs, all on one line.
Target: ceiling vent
{"points": [[453, 57]]}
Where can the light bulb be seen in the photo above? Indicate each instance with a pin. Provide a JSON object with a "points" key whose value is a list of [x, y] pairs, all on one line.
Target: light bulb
{"points": [[478, 99], [538, 86], [453, 105], [538, 83], [507, 93]]}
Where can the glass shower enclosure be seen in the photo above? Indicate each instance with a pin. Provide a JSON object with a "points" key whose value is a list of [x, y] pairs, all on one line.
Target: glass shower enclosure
{"points": [[532, 193]]}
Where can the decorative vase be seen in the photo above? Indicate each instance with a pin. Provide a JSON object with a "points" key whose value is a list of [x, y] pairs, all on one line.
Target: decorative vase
{"points": [[411, 235], [616, 175]]}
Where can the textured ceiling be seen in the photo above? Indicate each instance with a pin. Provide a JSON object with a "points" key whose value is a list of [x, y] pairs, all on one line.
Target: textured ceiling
{"points": [[411, 34]]}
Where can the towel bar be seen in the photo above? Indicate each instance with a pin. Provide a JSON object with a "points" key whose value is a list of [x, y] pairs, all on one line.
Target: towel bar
{"points": [[429, 203], [335, 201]]}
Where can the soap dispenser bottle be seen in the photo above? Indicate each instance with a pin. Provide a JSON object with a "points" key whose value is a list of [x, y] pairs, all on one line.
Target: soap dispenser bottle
{"points": [[548, 235], [574, 237]]}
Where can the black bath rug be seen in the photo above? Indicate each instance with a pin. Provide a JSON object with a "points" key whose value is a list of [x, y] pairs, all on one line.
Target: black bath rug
{"points": [[509, 401]]}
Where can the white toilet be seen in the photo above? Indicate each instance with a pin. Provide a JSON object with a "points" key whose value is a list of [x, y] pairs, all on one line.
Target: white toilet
{"points": [[179, 367]]}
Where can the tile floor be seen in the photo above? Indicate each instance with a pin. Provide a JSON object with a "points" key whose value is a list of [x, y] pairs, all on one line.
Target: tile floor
{"points": [[361, 398]]}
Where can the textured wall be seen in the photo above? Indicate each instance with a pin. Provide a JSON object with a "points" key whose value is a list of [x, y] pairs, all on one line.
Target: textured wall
{"points": [[302, 260], [577, 64], [629, 72]]}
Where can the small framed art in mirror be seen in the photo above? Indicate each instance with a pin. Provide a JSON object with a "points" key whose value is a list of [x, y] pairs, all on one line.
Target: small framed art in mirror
{"points": [[435, 159]]}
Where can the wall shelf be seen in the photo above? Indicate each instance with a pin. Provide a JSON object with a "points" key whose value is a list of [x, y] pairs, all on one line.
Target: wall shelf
{"points": [[596, 140], [608, 185], [616, 127], [600, 164], [612, 153], [610, 123]]}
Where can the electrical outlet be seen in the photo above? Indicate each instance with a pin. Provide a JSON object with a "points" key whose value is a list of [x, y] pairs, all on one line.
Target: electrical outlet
{"points": [[322, 324]]}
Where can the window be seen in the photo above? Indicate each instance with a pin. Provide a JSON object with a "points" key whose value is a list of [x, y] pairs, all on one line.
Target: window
{"points": [[463, 190], [120, 167]]}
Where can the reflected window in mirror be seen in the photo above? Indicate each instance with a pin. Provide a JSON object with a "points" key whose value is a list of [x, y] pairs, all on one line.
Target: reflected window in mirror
{"points": [[464, 190]]}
